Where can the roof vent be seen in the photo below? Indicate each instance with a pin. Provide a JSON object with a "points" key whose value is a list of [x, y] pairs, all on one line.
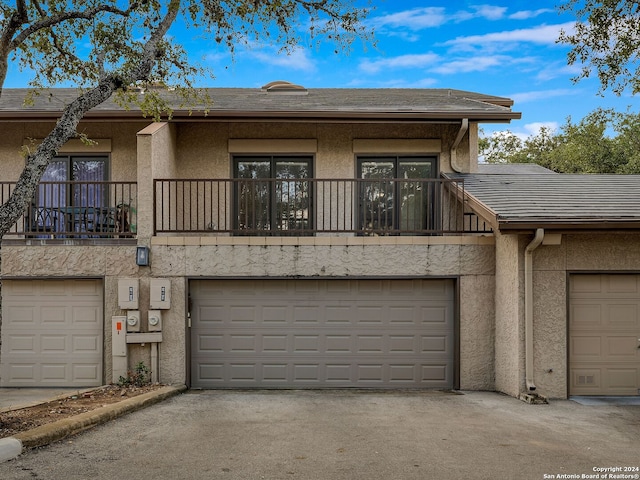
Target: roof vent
{"points": [[282, 87]]}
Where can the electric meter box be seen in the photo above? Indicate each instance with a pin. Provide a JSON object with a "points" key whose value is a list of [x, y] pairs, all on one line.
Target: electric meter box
{"points": [[160, 294], [118, 337], [154, 321], [133, 321], [128, 293]]}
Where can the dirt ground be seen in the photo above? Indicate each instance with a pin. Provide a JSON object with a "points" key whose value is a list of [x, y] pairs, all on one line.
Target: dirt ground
{"points": [[24, 419]]}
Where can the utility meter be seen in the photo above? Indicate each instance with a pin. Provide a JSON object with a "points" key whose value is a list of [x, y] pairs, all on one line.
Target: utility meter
{"points": [[133, 321], [155, 320]]}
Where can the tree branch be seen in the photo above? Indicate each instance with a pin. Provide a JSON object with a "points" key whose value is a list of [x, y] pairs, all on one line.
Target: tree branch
{"points": [[48, 22], [73, 113]]}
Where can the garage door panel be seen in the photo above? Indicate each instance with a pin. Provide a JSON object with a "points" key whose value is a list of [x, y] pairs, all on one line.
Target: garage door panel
{"points": [[18, 374], [61, 343], [275, 345], [274, 314], [622, 316], [318, 374], [604, 333], [88, 344], [24, 344], [18, 314], [585, 314], [88, 372], [86, 316], [329, 333], [210, 343], [621, 284], [53, 344]]}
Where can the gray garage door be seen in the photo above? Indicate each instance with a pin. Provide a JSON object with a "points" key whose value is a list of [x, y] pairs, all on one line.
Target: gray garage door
{"points": [[604, 334], [51, 333], [322, 333]]}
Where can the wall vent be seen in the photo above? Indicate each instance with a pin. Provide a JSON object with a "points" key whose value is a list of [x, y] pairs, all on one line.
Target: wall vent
{"points": [[586, 380]]}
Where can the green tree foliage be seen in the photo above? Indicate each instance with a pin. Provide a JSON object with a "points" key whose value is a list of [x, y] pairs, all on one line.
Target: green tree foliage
{"points": [[108, 46], [603, 142], [606, 39]]}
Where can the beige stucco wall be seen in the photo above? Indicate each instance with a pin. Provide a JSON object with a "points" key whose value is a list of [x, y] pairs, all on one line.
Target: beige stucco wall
{"points": [[592, 253], [578, 252], [77, 261], [122, 151], [509, 316], [202, 148], [140, 151], [469, 259]]}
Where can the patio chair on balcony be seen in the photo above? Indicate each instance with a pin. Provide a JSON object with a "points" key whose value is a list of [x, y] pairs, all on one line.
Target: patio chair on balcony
{"points": [[43, 222], [105, 221]]}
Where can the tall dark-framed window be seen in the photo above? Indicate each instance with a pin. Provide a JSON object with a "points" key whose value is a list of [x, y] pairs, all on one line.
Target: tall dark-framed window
{"points": [[395, 193], [83, 169], [272, 194]]}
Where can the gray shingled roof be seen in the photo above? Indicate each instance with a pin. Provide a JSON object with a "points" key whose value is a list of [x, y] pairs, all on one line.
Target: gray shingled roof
{"points": [[366, 103], [511, 168], [555, 201]]}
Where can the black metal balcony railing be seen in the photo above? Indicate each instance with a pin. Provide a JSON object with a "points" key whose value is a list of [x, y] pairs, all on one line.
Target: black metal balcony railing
{"points": [[293, 207], [78, 210]]}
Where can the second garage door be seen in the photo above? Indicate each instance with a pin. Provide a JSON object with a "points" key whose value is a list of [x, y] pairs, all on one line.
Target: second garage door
{"points": [[322, 333], [52, 333], [604, 334]]}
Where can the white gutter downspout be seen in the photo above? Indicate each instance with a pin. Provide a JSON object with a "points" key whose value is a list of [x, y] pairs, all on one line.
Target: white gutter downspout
{"points": [[453, 152], [528, 305]]}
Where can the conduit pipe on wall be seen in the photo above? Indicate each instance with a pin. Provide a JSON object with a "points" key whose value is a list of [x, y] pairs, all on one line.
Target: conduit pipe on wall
{"points": [[453, 154], [528, 305], [154, 362]]}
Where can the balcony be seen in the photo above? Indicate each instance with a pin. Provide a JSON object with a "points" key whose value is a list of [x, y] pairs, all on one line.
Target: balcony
{"points": [[302, 207], [77, 210]]}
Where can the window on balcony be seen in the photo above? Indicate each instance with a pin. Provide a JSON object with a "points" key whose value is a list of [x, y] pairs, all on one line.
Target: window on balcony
{"points": [[73, 196], [81, 169], [396, 193], [272, 195]]}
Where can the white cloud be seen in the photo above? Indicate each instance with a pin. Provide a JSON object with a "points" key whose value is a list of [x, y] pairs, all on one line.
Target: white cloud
{"points": [[472, 64], [527, 14], [544, 34], [555, 70], [414, 19], [479, 63], [523, 133], [432, 17], [536, 95], [403, 61], [217, 57], [489, 12], [535, 127], [296, 60]]}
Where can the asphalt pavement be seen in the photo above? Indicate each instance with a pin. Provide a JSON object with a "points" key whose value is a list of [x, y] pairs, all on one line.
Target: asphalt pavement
{"points": [[346, 435]]}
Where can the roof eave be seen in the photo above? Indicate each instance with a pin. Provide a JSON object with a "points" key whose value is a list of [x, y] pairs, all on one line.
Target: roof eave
{"points": [[257, 115], [569, 224]]}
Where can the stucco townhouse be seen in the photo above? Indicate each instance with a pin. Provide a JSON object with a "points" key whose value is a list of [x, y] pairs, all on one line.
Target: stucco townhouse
{"points": [[314, 238]]}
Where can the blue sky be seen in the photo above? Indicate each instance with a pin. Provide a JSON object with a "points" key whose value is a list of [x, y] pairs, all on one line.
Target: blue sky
{"points": [[505, 48]]}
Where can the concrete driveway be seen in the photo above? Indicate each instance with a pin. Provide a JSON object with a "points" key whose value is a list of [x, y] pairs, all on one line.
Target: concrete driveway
{"points": [[346, 435]]}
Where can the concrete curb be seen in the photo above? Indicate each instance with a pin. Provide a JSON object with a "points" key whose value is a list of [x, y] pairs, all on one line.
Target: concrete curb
{"points": [[11, 447]]}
